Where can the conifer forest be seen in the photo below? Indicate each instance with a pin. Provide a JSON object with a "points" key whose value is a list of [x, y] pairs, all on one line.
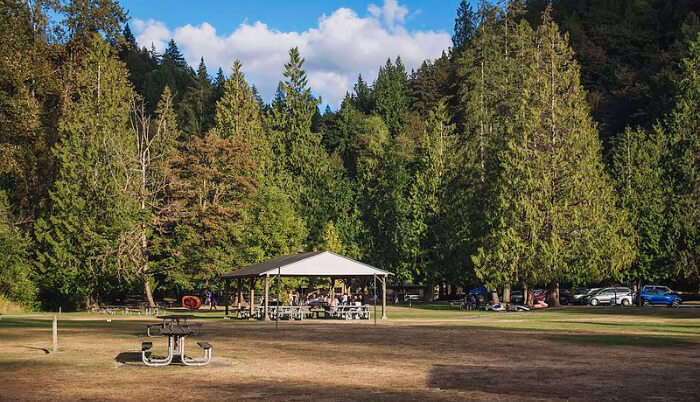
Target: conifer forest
{"points": [[555, 144]]}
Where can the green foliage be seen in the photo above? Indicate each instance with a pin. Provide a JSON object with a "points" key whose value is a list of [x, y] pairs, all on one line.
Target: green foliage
{"points": [[639, 174], [629, 53], [465, 25], [197, 107], [553, 217], [79, 233], [391, 95], [15, 247], [238, 116], [483, 165], [683, 168]]}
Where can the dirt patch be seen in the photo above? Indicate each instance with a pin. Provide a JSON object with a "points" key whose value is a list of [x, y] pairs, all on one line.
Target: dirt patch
{"points": [[300, 361]]}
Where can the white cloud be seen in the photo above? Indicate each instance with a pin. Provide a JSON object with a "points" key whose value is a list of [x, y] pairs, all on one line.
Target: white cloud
{"points": [[151, 32], [342, 45], [393, 12]]}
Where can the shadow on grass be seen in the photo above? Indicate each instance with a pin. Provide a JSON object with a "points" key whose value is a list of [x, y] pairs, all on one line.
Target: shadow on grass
{"points": [[545, 382], [33, 348], [129, 358], [644, 341], [655, 311]]}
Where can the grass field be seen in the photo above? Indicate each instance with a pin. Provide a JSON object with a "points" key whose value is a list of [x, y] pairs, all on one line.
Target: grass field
{"points": [[424, 352]]}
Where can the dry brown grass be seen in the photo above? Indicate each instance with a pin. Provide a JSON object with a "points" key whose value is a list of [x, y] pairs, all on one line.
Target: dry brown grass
{"points": [[473, 357]]}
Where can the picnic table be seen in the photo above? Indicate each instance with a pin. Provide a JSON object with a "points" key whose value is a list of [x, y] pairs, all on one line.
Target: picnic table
{"points": [[343, 311], [176, 334], [349, 312], [169, 321]]}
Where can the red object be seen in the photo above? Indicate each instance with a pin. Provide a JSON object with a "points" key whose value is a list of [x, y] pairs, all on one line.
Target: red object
{"points": [[540, 304], [191, 302], [539, 294]]}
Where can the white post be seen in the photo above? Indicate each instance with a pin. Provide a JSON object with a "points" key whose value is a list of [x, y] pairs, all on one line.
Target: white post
{"points": [[55, 334]]}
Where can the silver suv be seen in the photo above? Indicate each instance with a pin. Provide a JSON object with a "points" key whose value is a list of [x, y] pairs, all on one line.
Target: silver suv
{"points": [[612, 296]]}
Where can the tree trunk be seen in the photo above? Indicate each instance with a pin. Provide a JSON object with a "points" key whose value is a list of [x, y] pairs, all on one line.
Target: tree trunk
{"points": [[527, 296], [149, 294], [144, 238], [554, 296], [429, 293], [494, 297], [506, 294]]}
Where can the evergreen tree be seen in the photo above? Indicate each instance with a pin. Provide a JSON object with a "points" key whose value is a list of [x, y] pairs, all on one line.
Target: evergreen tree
{"points": [[639, 174], [129, 39], [465, 25], [15, 247], [238, 117], [219, 82], [362, 96], [391, 95], [432, 198], [28, 90], [197, 107], [683, 168], [173, 56], [88, 212], [554, 217]]}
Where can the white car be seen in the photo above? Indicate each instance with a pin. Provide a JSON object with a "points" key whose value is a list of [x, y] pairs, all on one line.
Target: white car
{"points": [[611, 296]]}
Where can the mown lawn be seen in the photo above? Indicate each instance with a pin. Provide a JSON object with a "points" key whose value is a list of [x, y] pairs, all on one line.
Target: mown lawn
{"points": [[425, 352]]}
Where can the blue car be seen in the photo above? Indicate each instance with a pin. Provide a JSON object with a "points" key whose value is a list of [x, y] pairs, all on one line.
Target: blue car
{"points": [[652, 294]]}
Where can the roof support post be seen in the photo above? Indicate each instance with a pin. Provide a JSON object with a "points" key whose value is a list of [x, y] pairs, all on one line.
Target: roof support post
{"points": [[384, 298], [331, 291], [239, 290], [251, 305], [227, 295], [267, 297]]}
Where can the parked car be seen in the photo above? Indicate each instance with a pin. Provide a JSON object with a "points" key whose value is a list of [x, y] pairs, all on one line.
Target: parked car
{"points": [[517, 297], [612, 296], [578, 295], [543, 294], [591, 292], [653, 294]]}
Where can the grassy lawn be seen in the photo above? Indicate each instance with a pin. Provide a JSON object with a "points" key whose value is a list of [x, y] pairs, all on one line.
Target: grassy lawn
{"points": [[422, 352]]}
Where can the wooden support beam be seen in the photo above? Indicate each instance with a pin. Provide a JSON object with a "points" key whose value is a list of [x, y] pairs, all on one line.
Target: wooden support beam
{"points": [[384, 298], [267, 297]]}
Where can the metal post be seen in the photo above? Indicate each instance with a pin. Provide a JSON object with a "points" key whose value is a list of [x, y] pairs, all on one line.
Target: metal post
{"points": [[277, 321], [55, 334], [374, 286], [267, 297], [384, 298]]}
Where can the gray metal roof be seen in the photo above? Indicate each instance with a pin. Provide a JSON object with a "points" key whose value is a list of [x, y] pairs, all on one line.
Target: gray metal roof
{"points": [[315, 263]]}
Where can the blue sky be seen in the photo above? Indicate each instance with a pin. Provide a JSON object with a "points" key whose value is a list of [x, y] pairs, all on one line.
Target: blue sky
{"points": [[338, 39], [280, 14]]}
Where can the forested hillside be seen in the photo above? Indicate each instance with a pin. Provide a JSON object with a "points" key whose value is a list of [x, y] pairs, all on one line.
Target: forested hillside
{"points": [[553, 144]]}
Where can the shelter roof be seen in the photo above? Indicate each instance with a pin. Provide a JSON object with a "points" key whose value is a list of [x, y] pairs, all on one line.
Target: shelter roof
{"points": [[315, 263]]}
